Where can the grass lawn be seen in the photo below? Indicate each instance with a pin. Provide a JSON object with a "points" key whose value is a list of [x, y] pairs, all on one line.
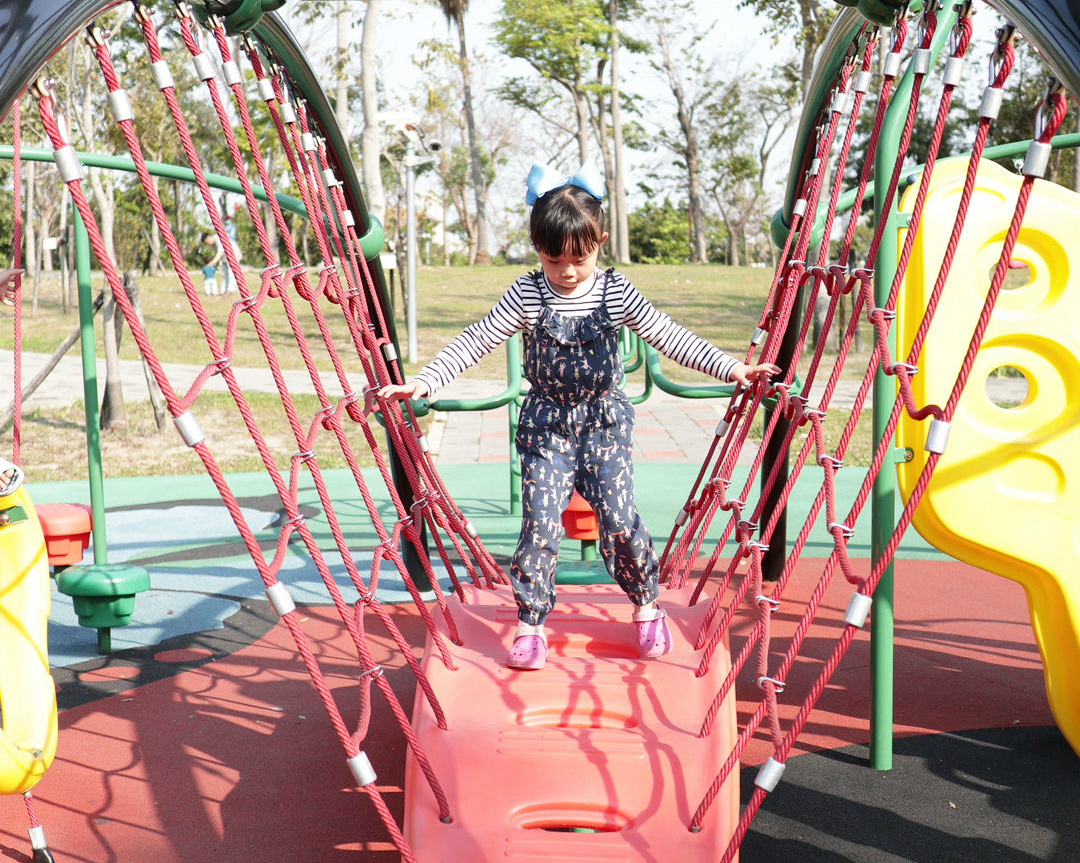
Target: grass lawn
{"points": [[722, 304]]}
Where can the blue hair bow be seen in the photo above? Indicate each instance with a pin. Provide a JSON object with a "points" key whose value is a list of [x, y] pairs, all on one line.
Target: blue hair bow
{"points": [[543, 178]]}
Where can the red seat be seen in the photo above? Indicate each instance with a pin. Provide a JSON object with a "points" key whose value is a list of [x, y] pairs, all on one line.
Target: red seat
{"points": [[579, 520], [67, 531]]}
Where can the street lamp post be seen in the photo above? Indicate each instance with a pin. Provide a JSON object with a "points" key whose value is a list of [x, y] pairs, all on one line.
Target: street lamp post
{"points": [[411, 162]]}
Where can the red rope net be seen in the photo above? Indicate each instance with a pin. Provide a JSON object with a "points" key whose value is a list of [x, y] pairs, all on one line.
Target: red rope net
{"points": [[742, 577], [340, 295]]}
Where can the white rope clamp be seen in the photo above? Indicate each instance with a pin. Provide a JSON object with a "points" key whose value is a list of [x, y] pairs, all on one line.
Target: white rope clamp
{"points": [[280, 599], [839, 102], [857, 609], [954, 72], [1037, 159], [120, 106], [920, 62], [67, 164], [265, 88], [991, 102], [361, 769], [768, 777], [204, 66], [189, 429], [162, 75], [891, 67], [230, 71], [937, 436], [37, 838]]}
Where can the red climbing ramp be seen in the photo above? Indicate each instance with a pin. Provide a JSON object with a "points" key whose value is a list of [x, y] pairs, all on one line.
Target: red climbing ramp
{"points": [[596, 757]]}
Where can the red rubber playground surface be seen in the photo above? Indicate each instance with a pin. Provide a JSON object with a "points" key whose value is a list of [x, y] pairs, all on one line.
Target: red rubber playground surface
{"points": [[212, 744]]}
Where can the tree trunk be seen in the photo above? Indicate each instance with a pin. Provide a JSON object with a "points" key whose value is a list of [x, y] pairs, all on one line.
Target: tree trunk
{"points": [[582, 111], [1076, 160], [482, 256], [112, 400], [29, 229], [621, 220], [609, 165], [819, 333], [369, 139], [157, 400], [691, 154], [341, 95], [155, 267], [112, 404]]}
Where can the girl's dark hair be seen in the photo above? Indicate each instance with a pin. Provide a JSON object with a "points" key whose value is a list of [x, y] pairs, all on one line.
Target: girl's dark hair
{"points": [[566, 216]]}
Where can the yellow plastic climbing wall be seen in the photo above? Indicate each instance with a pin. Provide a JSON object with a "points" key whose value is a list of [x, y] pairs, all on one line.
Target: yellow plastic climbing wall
{"points": [[1006, 493]]}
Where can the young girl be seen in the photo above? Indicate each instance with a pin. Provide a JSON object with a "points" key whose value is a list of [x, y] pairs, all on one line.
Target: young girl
{"points": [[575, 426]]}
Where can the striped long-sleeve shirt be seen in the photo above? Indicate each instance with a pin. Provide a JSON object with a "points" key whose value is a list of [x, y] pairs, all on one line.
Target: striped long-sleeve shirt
{"points": [[519, 309]]}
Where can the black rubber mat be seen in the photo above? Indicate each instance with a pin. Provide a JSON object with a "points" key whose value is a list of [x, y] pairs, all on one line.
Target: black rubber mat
{"points": [[1007, 795]]}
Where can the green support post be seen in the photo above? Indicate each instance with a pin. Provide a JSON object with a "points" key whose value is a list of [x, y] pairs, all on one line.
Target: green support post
{"points": [[883, 495], [103, 595], [90, 390]]}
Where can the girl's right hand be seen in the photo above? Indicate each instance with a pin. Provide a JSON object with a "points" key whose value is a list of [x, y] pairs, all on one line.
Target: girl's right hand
{"points": [[413, 389]]}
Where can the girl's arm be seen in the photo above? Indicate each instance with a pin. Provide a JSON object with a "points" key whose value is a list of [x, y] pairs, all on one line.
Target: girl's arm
{"points": [[476, 341]]}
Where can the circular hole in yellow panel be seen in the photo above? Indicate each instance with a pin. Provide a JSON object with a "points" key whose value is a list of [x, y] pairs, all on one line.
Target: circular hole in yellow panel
{"points": [[1007, 387], [1017, 276]]}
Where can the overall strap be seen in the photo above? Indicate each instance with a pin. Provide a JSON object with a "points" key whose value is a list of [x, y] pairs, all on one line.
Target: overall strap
{"points": [[607, 279], [538, 280]]}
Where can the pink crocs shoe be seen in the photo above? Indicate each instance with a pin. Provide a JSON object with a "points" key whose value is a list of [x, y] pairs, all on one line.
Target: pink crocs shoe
{"points": [[653, 635], [528, 653]]}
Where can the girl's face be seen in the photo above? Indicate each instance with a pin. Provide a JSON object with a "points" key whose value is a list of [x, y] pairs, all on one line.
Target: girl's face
{"points": [[568, 270]]}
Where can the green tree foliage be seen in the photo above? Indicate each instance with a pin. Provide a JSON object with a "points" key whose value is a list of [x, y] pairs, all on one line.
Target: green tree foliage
{"points": [[806, 21], [564, 41], [659, 234]]}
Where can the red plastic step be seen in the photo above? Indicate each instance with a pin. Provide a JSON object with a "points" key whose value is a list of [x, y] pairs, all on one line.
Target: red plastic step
{"points": [[596, 757]]}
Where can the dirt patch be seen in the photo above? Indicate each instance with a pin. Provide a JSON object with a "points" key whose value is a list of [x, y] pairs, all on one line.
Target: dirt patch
{"points": [[54, 440]]}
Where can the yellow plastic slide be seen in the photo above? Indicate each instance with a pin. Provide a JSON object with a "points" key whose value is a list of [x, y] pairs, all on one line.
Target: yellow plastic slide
{"points": [[1006, 494]]}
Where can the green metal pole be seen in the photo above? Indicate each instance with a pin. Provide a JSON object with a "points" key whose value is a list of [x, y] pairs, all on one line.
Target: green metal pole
{"points": [[883, 495], [90, 397], [513, 382], [90, 389]]}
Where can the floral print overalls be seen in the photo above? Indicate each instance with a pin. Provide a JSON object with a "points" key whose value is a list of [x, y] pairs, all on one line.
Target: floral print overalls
{"points": [[575, 430]]}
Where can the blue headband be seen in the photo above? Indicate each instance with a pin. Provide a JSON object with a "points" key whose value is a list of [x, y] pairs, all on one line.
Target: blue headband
{"points": [[543, 178]]}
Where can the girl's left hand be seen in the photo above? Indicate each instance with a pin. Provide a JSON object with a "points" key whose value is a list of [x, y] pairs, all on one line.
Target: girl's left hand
{"points": [[747, 375], [7, 286]]}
